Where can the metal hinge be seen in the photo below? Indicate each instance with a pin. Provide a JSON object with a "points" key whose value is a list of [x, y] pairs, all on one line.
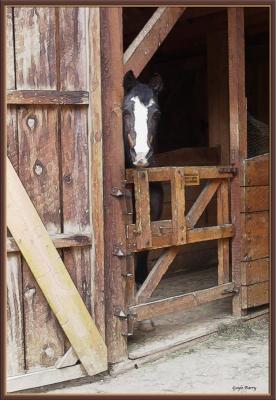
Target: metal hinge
{"points": [[128, 317]]}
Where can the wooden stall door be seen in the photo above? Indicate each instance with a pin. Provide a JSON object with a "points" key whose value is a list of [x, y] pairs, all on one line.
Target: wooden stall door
{"points": [[55, 145]]}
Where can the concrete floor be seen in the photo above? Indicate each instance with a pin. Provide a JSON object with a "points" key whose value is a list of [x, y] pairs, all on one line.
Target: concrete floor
{"points": [[235, 360]]}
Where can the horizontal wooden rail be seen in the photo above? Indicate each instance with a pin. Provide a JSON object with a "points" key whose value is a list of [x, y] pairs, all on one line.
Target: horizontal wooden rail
{"points": [[181, 302], [162, 234], [47, 97], [61, 240], [162, 174]]}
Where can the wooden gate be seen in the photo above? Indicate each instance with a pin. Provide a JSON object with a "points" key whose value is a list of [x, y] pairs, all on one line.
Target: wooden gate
{"points": [[172, 234]]}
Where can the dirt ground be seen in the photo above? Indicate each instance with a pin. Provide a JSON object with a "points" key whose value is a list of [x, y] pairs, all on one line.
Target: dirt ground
{"points": [[233, 361]]}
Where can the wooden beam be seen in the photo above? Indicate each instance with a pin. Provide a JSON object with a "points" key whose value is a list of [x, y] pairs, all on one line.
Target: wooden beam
{"points": [[156, 274], [202, 202], [238, 133], [181, 302], [223, 244], [150, 38], [162, 234], [95, 141], [113, 176], [192, 174], [49, 97], [142, 208], [47, 376], [60, 240], [178, 206], [52, 276]]}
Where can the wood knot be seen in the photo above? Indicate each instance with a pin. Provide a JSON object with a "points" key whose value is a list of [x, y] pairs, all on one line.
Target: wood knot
{"points": [[67, 179], [38, 168], [31, 122]]}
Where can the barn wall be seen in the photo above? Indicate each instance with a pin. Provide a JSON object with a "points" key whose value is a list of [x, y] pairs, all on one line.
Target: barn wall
{"points": [[49, 147]]}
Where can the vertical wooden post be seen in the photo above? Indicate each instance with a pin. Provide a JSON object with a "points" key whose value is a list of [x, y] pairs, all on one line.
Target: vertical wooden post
{"points": [[223, 244], [142, 205], [96, 169], [114, 175], [218, 100], [238, 134], [178, 206]]}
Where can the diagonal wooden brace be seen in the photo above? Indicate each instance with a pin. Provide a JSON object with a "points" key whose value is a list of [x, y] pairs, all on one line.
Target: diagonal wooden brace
{"points": [[141, 50]]}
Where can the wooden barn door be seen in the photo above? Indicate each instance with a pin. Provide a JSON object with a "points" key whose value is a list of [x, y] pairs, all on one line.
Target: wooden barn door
{"points": [[55, 147]]}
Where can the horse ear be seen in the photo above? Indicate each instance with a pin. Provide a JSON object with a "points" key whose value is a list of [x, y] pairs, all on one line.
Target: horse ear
{"points": [[156, 83], [129, 81]]}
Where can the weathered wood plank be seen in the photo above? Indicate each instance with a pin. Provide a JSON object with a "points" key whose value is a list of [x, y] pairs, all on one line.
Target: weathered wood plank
{"points": [[73, 56], [150, 38], [255, 295], [44, 378], [112, 92], [64, 299], [218, 96], [255, 239], [162, 174], [181, 302], [255, 198], [15, 317], [142, 208], [47, 97], [73, 48], [74, 152], [95, 143], [35, 48], [39, 173], [156, 274], [238, 132], [60, 240], [178, 206], [255, 171], [255, 271], [201, 202], [223, 244], [162, 234], [10, 71]]}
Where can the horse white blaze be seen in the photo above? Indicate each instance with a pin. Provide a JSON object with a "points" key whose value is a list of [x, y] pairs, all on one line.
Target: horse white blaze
{"points": [[141, 129]]}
